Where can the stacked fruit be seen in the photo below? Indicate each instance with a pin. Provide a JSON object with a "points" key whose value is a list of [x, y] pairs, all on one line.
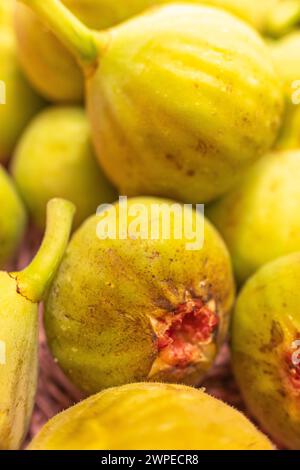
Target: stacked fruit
{"points": [[194, 102]]}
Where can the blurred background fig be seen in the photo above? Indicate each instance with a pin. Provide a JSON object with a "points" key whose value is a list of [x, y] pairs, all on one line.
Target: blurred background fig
{"points": [[18, 101], [20, 294], [266, 348], [12, 218], [55, 73], [260, 218], [55, 158], [128, 307], [153, 417], [228, 114]]}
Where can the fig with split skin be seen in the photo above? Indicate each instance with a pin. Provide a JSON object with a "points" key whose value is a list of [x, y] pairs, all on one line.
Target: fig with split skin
{"points": [[54, 72], [12, 218], [266, 348], [150, 416], [55, 158], [259, 219], [20, 294], [178, 106], [128, 308]]}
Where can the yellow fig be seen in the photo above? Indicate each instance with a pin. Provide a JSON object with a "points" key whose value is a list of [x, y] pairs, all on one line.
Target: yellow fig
{"points": [[150, 416], [18, 101], [260, 218], [54, 72], [12, 218], [55, 158], [20, 294], [181, 100], [128, 307], [266, 348]]}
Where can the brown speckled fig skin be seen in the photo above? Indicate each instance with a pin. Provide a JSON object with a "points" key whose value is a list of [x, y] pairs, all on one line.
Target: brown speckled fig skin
{"points": [[266, 323], [116, 305]]}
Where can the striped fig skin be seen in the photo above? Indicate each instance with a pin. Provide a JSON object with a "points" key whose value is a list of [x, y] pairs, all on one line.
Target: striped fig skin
{"points": [[184, 100]]}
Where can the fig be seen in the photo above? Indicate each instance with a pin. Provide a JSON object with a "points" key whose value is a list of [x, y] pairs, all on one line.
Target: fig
{"points": [[12, 218], [290, 134], [6, 13], [150, 416], [227, 116], [18, 101], [20, 294], [129, 308], [259, 219], [53, 71], [266, 348], [286, 53], [50, 163]]}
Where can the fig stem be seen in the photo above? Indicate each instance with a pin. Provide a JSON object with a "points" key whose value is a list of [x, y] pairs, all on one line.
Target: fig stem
{"points": [[84, 43], [35, 279]]}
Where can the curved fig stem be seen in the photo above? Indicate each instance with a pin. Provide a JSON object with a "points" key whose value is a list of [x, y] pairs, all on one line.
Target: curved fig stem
{"points": [[84, 43], [34, 280]]}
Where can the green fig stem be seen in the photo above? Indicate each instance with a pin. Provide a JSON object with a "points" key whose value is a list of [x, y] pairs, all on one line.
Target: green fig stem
{"points": [[85, 44], [34, 280]]}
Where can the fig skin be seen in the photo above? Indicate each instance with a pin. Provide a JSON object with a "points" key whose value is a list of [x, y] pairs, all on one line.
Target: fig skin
{"points": [[265, 325], [21, 100], [150, 416], [12, 218], [20, 294], [55, 158], [112, 301], [225, 119], [259, 220], [55, 73]]}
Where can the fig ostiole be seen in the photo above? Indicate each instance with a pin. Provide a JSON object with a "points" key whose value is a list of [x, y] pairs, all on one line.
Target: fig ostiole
{"points": [[266, 348], [150, 416], [20, 294], [138, 309], [228, 115]]}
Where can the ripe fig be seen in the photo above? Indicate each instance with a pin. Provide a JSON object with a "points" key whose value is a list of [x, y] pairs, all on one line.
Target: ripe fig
{"points": [[135, 308], [230, 102], [266, 348], [150, 416], [18, 102], [19, 297], [54, 72], [12, 218], [55, 158], [259, 219]]}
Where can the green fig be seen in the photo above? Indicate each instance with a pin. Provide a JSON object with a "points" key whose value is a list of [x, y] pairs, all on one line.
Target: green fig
{"points": [[147, 139], [286, 55], [54, 72], [150, 416], [125, 308], [18, 102], [20, 294], [282, 18], [260, 218], [266, 348], [12, 218], [55, 158]]}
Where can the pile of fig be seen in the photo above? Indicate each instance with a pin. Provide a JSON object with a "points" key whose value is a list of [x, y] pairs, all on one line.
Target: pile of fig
{"points": [[164, 138]]}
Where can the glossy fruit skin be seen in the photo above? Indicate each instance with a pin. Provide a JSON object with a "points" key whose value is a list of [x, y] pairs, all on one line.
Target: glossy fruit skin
{"points": [[53, 71], [150, 416], [108, 295], [205, 140], [55, 158], [21, 101], [18, 320], [12, 218], [259, 219], [265, 325]]}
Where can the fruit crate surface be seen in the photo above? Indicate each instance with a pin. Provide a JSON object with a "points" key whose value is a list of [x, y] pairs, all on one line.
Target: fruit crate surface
{"points": [[55, 393]]}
